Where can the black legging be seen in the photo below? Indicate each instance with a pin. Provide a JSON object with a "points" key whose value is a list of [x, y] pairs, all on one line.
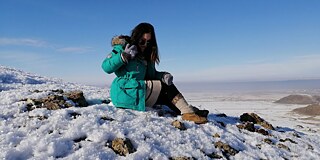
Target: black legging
{"points": [[166, 96]]}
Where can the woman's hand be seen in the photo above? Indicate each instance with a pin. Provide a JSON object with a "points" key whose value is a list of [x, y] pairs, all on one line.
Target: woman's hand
{"points": [[129, 53], [131, 50]]}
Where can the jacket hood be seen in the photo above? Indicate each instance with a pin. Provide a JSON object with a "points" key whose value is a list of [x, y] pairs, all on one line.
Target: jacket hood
{"points": [[122, 40]]}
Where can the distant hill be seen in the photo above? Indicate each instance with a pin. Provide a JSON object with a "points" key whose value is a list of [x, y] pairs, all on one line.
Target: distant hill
{"points": [[299, 99]]}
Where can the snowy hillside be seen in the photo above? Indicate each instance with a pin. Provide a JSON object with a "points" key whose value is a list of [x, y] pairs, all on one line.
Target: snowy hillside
{"points": [[90, 132]]}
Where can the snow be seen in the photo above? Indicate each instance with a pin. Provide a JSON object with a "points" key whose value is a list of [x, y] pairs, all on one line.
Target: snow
{"points": [[23, 135]]}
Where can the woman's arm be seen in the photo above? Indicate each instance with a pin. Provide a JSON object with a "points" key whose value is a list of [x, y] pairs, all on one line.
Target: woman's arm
{"points": [[114, 60]]}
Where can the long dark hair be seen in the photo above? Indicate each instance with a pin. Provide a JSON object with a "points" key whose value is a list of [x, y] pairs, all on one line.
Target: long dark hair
{"points": [[137, 34]]}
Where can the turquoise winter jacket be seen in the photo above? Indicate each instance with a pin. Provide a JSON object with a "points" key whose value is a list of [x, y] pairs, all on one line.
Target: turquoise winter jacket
{"points": [[128, 89]]}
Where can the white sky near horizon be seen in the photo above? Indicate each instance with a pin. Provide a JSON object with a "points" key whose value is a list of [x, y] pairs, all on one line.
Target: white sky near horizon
{"points": [[219, 41]]}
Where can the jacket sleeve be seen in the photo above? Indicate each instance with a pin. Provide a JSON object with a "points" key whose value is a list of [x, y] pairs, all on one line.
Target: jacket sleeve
{"points": [[114, 61]]}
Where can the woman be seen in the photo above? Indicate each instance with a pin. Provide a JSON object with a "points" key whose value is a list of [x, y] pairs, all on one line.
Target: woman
{"points": [[138, 84]]}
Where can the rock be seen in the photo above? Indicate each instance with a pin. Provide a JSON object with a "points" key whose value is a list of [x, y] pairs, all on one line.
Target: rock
{"points": [[262, 131], [221, 124], [269, 141], [178, 125], [74, 115], [247, 126], [122, 146], [254, 118], [280, 145], [51, 106], [57, 101], [214, 156], [296, 135], [216, 135], [259, 146], [106, 118], [106, 101], [77, 97], [297, 99], [39, 117], [36, 91], [250, 127], [310, 110], [60, 91], [310, 147], [226, 148], [288, 139], [79, 139]]}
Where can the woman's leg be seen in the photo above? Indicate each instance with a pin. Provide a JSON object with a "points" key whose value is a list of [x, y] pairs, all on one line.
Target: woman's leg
{"points": [[164, 99], [171, 97]]}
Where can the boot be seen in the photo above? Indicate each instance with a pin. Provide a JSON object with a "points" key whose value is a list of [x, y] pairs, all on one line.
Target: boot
{"points": [[195, 118], [202, 113]]}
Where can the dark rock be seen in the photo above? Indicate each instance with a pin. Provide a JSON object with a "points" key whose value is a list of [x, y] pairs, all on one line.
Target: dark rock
{"points": [[216, 135], [107, 118], [310, 147], [39, 117], [78, 98], [37, 91], [178, 125], [51, 106], [269, 141], [262, 131], [214, 156], [122, 146], [258, 146], [254, 118], [221, 124], [297, 99], [288, 139], [296, 135], [226, 148], [106, 101], [280, 145], [247, 126], [30, 107], [249, 117], [80, 139], [74, 115], [60, 91]]}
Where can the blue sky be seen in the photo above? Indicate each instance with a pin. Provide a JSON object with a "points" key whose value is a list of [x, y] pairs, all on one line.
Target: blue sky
{"points": [[208, 40]]}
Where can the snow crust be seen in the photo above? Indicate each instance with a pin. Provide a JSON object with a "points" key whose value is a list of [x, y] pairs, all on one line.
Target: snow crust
{"points": [[23, 135]]}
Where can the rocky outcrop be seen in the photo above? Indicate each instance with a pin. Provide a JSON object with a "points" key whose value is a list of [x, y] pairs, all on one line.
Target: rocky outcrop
{"points": [[254, 118], [57, 100], [310, 110], [299, 99]]}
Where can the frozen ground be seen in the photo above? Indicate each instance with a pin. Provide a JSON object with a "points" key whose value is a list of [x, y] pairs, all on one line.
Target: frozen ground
{"points": [[25, 135], [262, 103]]}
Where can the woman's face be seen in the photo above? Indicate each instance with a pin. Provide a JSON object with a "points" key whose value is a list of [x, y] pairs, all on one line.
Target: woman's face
{"points": [[145, 41]]}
